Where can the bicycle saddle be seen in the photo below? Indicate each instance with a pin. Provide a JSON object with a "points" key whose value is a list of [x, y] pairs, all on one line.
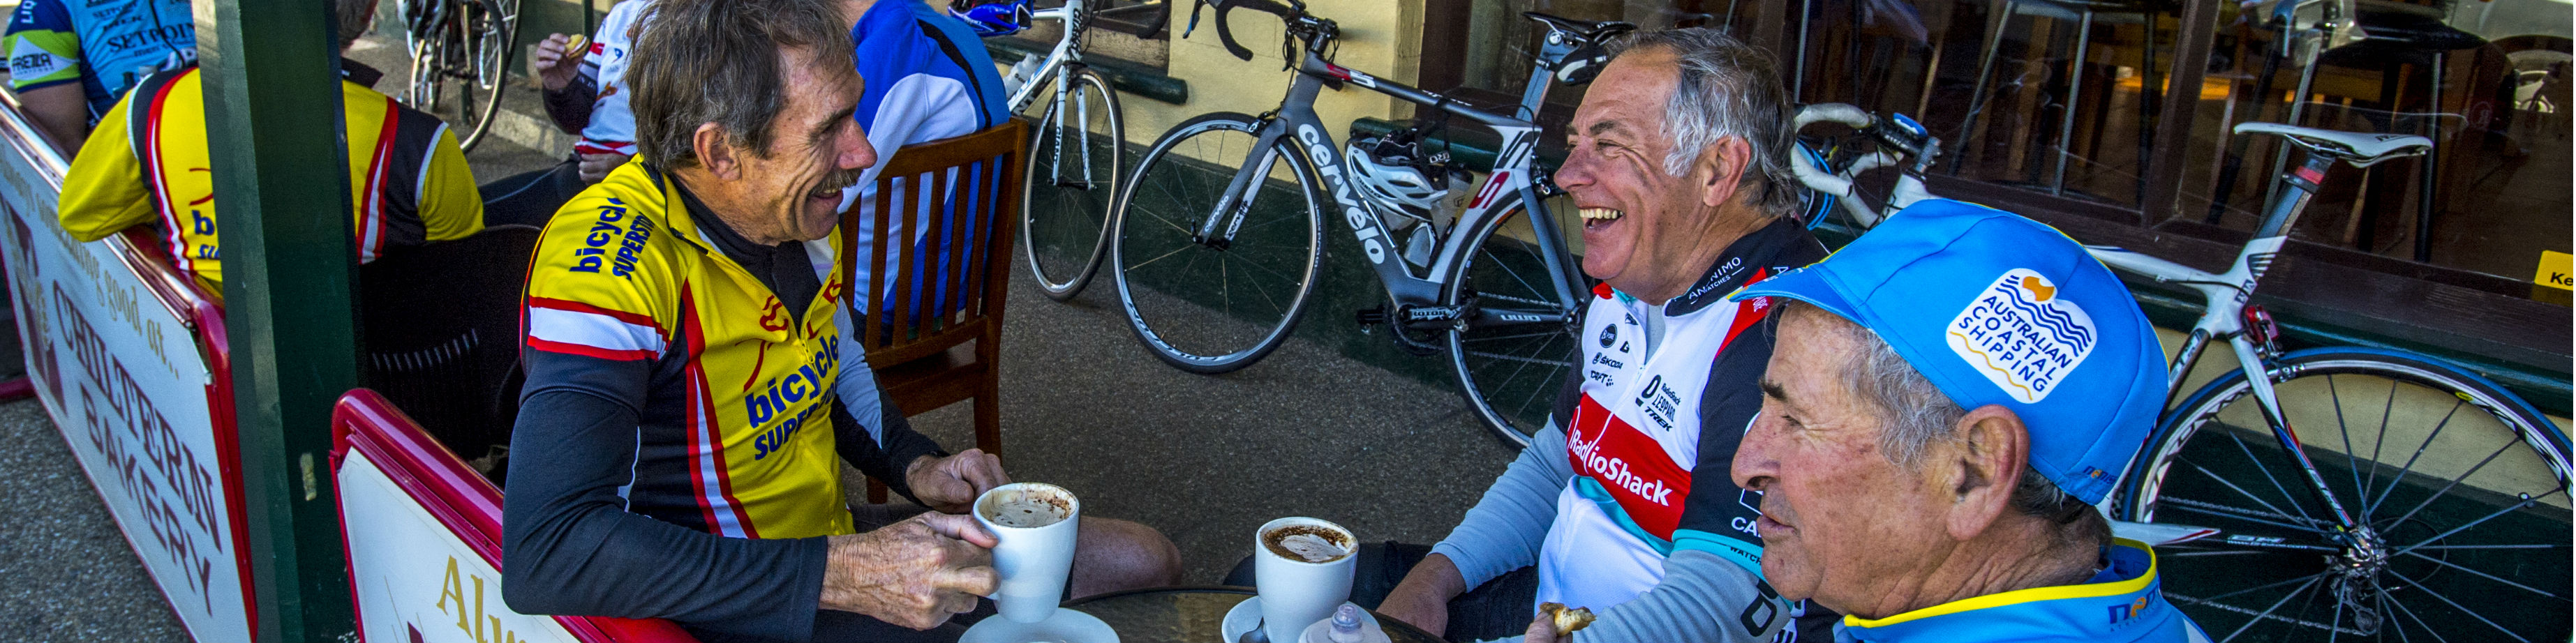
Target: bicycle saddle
{"points": [[1584, 30], [2361, 148]]}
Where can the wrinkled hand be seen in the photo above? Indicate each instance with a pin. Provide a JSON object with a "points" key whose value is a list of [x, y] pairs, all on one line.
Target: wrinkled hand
{"points": [[1422, 598], [916, 573], [950, 484], [596, 166], [554, 63], [1543, 630]]}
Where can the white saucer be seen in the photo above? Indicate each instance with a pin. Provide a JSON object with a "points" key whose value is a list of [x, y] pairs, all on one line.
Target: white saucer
{"points": [[1066, 625], [1240, 619]]}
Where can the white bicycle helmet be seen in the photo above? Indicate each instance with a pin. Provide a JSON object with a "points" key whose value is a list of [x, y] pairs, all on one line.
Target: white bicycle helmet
{"points": [[1391, 176]]}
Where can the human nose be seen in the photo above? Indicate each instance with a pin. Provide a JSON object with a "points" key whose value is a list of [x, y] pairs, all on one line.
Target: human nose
{"points": [[1576, 171], [855, 152], [1755, 467]]}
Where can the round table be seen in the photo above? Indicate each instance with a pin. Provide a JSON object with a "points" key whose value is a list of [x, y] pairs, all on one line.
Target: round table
{"points": [[1192, 614]]}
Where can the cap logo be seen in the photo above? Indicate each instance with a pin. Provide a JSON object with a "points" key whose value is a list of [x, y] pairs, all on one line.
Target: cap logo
{"points": [[2022, 336]]}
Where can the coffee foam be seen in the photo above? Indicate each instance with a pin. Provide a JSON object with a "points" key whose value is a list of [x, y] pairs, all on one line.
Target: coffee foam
{"points": [[1308, 543], [1026, 508]]}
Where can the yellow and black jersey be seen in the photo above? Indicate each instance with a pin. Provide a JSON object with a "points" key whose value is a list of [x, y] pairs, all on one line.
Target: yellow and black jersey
{"points": [[740, 395], [148, 161]]}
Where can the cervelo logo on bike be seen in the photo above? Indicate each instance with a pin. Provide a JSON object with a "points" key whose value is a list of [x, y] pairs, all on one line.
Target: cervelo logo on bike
{"points": [[1321, 150], [1356, 77], [2022, 335]]}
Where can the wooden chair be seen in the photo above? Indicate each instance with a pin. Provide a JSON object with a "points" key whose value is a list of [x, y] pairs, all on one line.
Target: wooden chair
{"points": [[918, 315]]}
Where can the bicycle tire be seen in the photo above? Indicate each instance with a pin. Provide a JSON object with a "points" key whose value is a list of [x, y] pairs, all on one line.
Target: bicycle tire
{"points": [[1221, 327], [2239, 585], [1063, 226], [1508, 373], [492, 30]]}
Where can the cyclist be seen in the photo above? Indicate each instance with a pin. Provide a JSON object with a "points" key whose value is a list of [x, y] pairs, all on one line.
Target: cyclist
{"points": [[69, 60], [1624, 504], [692, 389], [149, 161], [1950, 395], [928, 78], [585, 96]]}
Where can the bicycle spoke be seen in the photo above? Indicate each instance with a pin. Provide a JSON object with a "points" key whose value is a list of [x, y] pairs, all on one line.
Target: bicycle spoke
{"points": [[2310, 578], [2456, 605], [2267, 475], [2342, 425], [2377, 445], [2481, 574], [2547, 546], [2456, 480], [2213, 475], [1167, 254], [2386, 602], [2276, 606], [2409, 467], [2473, 523], [2240, 513]]}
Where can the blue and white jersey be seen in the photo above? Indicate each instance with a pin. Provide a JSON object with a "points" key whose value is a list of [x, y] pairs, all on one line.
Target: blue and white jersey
{"points": [[2124, 603], [105, 45], [612, 123], [927, 78]]}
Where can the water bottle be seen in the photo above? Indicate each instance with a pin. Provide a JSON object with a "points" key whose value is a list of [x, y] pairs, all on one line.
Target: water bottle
{"points": [[1021, 72]]}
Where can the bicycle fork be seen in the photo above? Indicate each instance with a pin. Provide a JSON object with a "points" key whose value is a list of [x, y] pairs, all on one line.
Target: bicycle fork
{"points": [[1236, 202]]}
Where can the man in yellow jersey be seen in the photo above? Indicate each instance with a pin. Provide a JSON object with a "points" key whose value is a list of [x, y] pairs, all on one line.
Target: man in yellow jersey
{"points": [[693, 385], [148, 160]]}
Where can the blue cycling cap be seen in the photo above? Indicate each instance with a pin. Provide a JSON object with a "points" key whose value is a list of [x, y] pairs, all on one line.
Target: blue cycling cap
{"points": [[1994, 308]]}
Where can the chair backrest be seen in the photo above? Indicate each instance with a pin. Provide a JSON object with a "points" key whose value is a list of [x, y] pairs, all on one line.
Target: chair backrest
{"points": [[939, 260], [441, 332]]}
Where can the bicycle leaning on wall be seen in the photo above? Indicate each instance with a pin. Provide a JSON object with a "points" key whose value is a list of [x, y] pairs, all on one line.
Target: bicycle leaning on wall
{"points": [[1219, 234], [1075, 155], [460, 58], [2348, 492]]}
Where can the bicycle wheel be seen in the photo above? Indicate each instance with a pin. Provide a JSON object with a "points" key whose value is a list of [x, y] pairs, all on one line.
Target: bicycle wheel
{"points": [[1509, 372], [1072, 180], [1221, 305], [2460, 489], [458, 72]]}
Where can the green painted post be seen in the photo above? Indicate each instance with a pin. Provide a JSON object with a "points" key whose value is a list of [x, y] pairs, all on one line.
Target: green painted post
{"points": [[273, 120]]}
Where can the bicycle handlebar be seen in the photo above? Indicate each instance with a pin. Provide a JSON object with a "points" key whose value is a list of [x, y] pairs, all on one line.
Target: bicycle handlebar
{"points": [[1288, 12]]}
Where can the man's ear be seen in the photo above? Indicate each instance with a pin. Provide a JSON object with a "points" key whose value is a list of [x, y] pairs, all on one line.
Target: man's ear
{"points": [[1983, 465], [1720, 170], [714, 152]]}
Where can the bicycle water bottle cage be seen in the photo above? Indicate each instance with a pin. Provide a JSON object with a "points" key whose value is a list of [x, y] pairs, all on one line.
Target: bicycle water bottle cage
{"points": [[2260, 330]]}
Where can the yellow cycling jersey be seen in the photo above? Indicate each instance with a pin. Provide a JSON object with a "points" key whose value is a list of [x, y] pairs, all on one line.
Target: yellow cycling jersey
{"points": [[148, 161], [633, 302]]}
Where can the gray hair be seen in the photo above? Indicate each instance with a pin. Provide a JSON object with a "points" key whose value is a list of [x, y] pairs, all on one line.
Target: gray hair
{"points": [[1724, 88], [1915, 414], [719, 61]]}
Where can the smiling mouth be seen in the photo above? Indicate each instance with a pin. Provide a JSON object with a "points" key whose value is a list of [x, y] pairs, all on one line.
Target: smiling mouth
{"points": [[1597, 216]]}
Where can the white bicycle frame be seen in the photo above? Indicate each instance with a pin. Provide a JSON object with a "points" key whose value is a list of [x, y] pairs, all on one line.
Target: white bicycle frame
{"points": [[1056, 66], [2224, 295]]}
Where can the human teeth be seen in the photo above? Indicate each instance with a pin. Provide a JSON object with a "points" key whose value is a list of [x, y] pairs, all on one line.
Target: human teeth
{"points": [[1602, 214]]}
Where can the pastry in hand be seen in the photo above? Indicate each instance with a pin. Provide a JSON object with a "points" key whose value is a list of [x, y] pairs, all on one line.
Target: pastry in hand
{"points": [[1566, 619]]}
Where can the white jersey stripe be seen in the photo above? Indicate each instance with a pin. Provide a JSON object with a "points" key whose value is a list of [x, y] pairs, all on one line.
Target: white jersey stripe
{"points": [[592, 329]]}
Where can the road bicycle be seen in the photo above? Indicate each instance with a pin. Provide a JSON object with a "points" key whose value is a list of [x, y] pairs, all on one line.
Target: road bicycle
{"points": [[1218, 239], [2348, 492], [1075, 153], [460, 59]]}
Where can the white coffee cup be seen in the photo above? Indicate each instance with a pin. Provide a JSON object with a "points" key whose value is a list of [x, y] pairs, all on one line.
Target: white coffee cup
{"points": [[1035, 523], [1296, 592]]}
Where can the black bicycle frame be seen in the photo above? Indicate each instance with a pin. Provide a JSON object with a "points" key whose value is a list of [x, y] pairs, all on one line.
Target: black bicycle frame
{"points": [[1296, 127]]}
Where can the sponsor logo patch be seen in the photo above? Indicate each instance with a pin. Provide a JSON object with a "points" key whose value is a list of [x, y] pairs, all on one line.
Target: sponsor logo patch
{"points": [[2022, 336]]}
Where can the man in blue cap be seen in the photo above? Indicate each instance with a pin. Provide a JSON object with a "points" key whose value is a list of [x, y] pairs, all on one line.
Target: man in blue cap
{"points": [[1948, 397]]}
